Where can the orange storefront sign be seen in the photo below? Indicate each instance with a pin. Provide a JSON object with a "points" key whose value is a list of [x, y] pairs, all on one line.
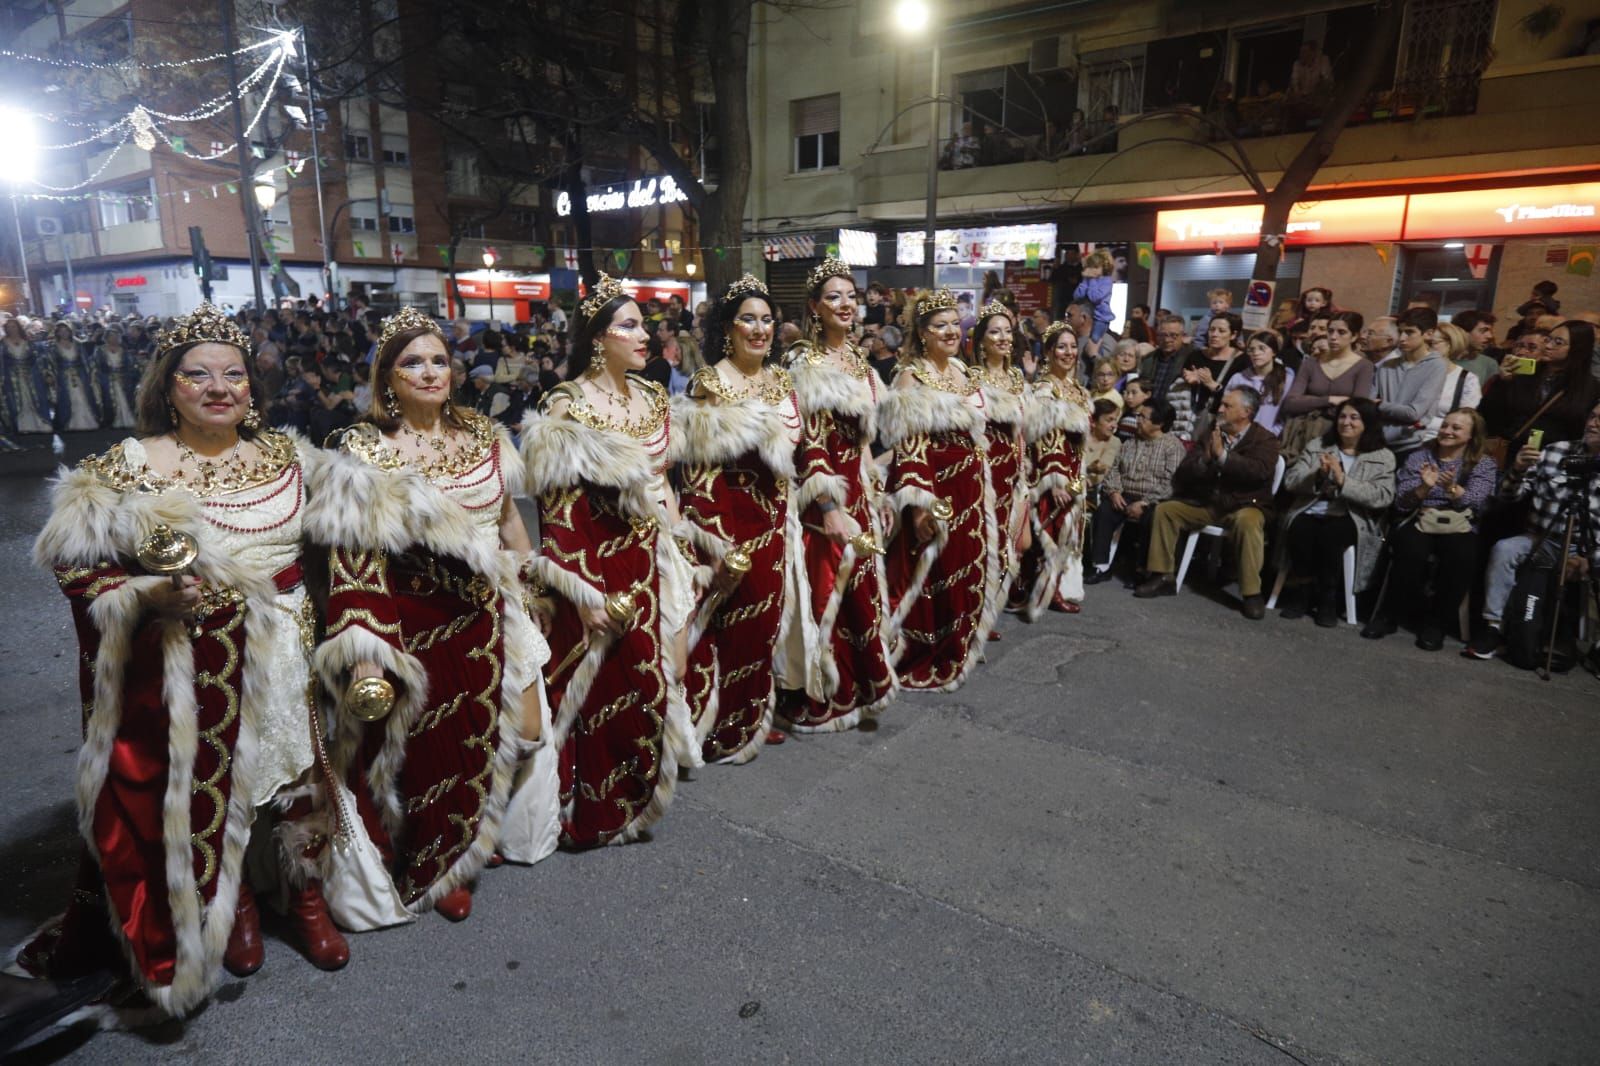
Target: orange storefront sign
{"points": [[1375, 218], [1543, 209]]}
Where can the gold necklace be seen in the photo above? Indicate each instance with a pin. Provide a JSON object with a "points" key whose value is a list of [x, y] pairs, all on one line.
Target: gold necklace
{"points": [[216, 477], [438, 444], [625, 402]]}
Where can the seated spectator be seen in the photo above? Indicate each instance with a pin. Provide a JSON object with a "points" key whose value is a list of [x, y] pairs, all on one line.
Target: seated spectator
{"points": [[1100, 447], [1163, 368], [1134, 395], [1265, 373], [1103, 383], [1408, 388], [1539, 478], [1555, 398], [1139, 480], [1448, 474], [1341, 486], [1324, 382], [1078, 134], [1227, 482], [962, 151], [1461, 387], [1125, 357]]}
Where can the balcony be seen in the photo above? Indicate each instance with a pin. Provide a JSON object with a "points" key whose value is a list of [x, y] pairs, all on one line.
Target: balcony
{"points": [[49, 250]]}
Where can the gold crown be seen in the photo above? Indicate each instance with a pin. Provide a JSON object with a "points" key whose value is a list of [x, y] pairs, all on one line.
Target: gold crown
{"points": [[828, 268], [605, 290], [745, 286], [405, 320], [930, 303], [1051, 332], [995, 307], [205, 324]]}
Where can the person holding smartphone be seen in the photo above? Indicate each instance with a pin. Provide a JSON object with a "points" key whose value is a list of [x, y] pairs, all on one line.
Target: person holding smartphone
{"points": [[1554, 398]]}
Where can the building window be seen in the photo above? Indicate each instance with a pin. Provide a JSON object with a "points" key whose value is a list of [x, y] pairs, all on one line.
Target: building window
{"points": [[396, 150], [1113, 78], [402, 218], [363, 218], [473, 231], [1445, 46], [135, 202], [357, 146], [816, 132], [462, 177]]}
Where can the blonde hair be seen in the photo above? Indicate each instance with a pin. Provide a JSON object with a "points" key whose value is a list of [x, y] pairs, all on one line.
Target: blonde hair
{"points": [[1101, 258], [1455, 341], [1214, 293]]}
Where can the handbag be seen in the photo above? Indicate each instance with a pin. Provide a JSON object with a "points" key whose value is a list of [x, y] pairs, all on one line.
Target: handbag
{"points": [[1443, 520], [1499, 448], [1301, 431]]}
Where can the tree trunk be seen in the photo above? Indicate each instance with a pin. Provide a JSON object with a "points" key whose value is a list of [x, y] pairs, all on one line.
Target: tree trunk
{"points": [[1297, 176], [722, 219]]}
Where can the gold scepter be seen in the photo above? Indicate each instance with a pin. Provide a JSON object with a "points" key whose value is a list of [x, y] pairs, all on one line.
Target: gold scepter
{"points": [[168, 551], [737, 562], [620, 608]]}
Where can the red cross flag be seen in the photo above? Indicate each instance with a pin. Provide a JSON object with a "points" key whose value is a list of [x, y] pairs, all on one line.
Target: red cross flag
{"points": [[665, 255], [570, 257], [770, 251], [1478, 258]]}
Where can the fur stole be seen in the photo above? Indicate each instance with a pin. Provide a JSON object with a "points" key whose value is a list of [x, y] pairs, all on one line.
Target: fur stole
{"points": [[710, 433], [1044, 415], [910, 412], [561, 452], [1002, 406], [822, 387]]}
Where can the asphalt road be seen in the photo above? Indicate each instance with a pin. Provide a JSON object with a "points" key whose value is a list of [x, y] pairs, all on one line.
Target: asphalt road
{"points": [[1152, 833]]}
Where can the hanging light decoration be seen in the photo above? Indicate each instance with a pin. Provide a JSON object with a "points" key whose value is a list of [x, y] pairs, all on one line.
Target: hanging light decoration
{"points": [[144, 130]]}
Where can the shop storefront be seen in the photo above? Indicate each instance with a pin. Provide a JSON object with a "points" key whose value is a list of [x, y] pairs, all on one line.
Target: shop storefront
{"points": [[1458, 250], [167, 287], [478, 296]]}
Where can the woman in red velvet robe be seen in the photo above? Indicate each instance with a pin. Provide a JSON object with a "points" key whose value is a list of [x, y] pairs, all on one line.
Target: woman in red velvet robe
{"points": [[1057, 419], [944, 560], [845, 618], [1005, 397], [737, 428], [425, 547], [596, 459], [195, 688]]}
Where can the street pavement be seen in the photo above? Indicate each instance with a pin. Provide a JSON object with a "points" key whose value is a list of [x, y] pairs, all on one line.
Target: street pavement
{"points": [[1151, 833]]}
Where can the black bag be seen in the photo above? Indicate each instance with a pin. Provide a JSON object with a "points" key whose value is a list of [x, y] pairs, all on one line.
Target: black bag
{"points": [[1525, 626]]}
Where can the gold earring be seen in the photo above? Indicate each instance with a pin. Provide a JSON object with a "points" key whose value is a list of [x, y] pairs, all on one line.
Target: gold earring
{"points": [[391, 404], [252, 420], [599, 351], [727, 345], [172, 413]]}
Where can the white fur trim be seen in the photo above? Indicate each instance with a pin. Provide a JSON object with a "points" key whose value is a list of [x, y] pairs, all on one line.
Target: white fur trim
{"points": [[708, 433], [822, 487], [561, 453], [821, 387], [910, 412], [1045, 415], [1002, 407]]}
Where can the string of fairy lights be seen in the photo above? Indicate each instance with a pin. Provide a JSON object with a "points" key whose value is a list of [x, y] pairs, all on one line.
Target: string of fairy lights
{"points": [[144, 125]]}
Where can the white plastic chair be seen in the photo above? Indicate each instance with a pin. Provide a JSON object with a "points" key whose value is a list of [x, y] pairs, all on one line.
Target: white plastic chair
{"points": [[1193, 539], [1349, 586]]}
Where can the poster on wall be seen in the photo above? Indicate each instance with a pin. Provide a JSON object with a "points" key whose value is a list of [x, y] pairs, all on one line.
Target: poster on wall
{"points": [[1031, 288]]}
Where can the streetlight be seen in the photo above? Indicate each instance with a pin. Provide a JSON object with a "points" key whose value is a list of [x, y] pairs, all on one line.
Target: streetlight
{"points": [[915, 16], [16, 167], [266, 192], [490, 257]]}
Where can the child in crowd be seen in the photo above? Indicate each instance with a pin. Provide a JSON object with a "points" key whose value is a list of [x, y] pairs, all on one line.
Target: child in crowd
{"points": [[1103, 383], [1220, 301], [1096, 288], [1134, 395]]}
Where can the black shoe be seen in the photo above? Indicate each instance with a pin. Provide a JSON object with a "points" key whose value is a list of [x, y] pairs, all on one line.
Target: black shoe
{"points": [[28, 1007], [1253, 608], [1327, 614], [1378, 627], [1097, 577], [1486, 645], [1158, 585], [1431, 638], [1293, 604]]}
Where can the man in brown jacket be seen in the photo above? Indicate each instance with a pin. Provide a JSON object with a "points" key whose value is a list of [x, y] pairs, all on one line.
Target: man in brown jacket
{"points": [[1226, 481]]}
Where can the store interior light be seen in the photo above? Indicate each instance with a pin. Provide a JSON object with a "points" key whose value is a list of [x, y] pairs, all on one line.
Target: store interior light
{"points": [[1456, 244], [1444, 279]]}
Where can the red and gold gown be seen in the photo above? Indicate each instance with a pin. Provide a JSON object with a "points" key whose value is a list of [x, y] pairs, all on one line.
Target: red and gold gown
{"points": [[939, 592], [735, 454], [1005, 396], [621, 725], [419, 584], [844, 616], [1057, 420], [188, 727]]}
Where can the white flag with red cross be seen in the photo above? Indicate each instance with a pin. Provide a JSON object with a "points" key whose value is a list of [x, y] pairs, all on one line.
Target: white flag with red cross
{"points": [[569, 256], [1478, 258], [665, 255]]}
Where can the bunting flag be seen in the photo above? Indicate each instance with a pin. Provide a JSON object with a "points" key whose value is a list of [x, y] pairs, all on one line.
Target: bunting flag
{"points": [[569, 256], [833, 251], [665, 255], [1030, 255], [720, 251], [538, 254], [621, 257], [1385, 252], [177, 144], [1145, 254], [1580, 260], [360, 251], [186, 196], [233, 190], [444, 253], [1477, 257]]}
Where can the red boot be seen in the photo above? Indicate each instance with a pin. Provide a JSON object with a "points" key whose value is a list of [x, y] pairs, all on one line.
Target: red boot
{"points": [[1065, 606], [455, 905], [320, 939], [245, 952]]}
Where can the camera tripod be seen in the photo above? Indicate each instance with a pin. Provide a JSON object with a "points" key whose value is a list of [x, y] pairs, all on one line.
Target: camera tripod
{"points": [[1579, 533]]}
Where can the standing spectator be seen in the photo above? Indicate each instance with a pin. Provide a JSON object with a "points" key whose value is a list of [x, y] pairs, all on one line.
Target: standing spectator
{"points": [[1408, 388], [1226, 481], [1461, 387], [1541, 479], [1163, 368], [877, 313], [1219, 361], [1138, 325], [1382, 340], [1342, 484], [463, 345], [1323, 383], [1264, 372], [1140, 479], [1449, 473], [1482, 357], [1555, 398]]}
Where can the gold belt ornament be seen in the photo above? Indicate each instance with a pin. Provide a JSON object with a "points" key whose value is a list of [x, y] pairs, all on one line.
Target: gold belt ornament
{"points": [[369, 699]]}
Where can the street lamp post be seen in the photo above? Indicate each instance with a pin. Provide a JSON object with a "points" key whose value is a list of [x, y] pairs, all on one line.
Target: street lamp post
{"points": [[490, 257], [914, 16]]}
